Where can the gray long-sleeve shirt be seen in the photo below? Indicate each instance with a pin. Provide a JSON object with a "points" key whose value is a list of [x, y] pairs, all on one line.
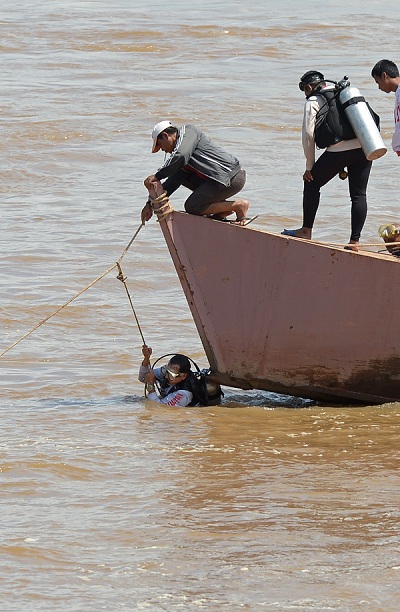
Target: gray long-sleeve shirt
{"points": [[195, 152]]}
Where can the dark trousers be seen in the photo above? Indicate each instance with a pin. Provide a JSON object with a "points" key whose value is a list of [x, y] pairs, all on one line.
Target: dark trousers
{"points": [[207, 191], [325, 168]]}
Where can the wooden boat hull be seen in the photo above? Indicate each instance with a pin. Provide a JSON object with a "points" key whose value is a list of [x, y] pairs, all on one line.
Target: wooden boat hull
{"points": [[288, 315]]}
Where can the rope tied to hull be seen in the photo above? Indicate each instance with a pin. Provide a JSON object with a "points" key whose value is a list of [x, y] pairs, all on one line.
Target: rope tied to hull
{"points": [[161, 206]]}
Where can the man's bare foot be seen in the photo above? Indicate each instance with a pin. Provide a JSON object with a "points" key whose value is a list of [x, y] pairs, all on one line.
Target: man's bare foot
{"points": [[352, 246], [240, 208], [302, 232]]}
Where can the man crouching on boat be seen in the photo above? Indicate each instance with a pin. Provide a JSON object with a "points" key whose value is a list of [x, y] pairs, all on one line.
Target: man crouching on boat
{"points": [[194, 161], [174, 380]]}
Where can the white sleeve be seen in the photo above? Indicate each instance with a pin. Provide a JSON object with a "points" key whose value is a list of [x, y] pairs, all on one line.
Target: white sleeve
{"points": [[396, 135], [143, 370], [177, 398], [307, 133]]}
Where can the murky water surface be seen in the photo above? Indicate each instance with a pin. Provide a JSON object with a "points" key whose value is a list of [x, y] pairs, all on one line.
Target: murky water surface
{"points": [[108, 501]]}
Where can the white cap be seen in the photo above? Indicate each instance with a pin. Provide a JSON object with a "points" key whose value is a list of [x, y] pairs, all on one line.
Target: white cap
{"points": [[157, 129]]}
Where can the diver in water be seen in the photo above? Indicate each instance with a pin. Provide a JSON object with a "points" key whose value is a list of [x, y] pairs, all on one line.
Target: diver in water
{"points": [[178, 385]]}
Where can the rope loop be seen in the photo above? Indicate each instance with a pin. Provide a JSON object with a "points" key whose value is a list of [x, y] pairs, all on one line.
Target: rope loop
{"points": [[161, 206]]}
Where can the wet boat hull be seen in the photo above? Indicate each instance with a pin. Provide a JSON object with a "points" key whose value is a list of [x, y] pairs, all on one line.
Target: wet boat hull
{"points": [[288, 315]]}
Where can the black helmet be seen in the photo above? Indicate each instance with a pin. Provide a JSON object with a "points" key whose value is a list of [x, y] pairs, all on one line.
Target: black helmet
{"points": [[309, 78]]}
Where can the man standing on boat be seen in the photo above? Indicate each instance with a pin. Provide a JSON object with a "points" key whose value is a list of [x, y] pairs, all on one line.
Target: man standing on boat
{"points": [[386, 75], [194, 161], [345, 151]]}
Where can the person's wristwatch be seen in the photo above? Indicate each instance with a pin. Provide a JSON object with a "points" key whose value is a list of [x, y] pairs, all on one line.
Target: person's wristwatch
{"points": [[150, 387]]}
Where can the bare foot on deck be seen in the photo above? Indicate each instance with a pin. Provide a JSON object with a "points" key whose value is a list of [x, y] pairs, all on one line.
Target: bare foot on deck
{"points": [[302, 232], [240, 208], [352, 246]]}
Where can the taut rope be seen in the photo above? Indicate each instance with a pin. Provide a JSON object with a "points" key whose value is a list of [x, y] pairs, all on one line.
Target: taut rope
{"points": [[122, 278], [116, 265]]}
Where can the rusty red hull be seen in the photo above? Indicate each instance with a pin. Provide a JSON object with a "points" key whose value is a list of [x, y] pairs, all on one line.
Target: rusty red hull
{"points": [[287, 315]]}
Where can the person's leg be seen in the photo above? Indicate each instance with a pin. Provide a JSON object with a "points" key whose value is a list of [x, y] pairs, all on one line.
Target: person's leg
{"points": [[324, 169], [210, 198], [358, 170]]}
